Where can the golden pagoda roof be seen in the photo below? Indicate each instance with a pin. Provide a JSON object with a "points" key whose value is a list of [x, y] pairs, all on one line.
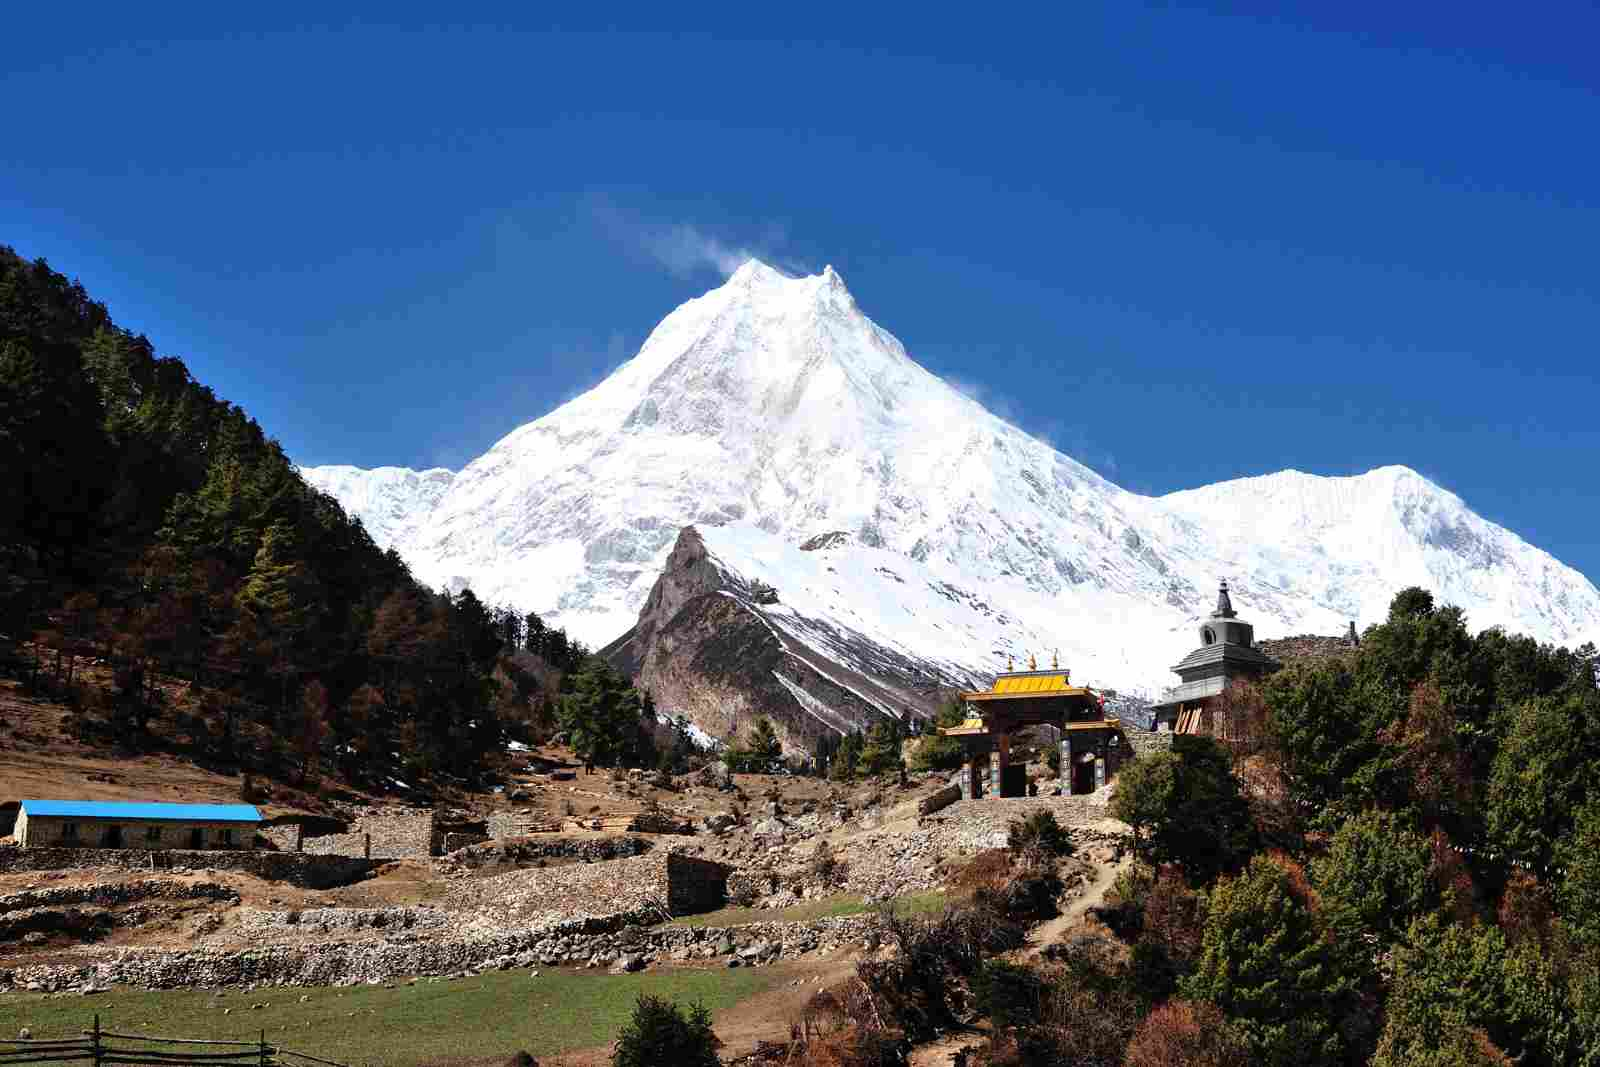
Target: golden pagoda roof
{"points": [[1032, 682], [1024, 685], [973, 725]]}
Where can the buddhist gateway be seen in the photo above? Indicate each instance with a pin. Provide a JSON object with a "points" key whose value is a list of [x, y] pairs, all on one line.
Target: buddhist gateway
{"points": [[1093, 745]]}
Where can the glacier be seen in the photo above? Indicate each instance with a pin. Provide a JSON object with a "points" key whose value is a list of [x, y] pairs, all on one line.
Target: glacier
{"points": [[771, 412]]}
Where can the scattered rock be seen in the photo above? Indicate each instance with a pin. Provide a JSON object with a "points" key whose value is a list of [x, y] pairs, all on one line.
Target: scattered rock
{"points": [[627, 963]]}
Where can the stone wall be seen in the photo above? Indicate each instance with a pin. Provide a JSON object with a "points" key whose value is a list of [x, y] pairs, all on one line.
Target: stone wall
{"points": [[532, 849], [109, 894], [453, 841], [504, 824], [1145, 742], [694, 885], [581, 942], [380, 833], [285, 837], [1306, 647], [312, 872]]}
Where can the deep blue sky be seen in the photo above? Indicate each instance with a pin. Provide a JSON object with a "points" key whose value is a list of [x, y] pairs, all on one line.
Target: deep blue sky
{"points": [[1184, 245]]}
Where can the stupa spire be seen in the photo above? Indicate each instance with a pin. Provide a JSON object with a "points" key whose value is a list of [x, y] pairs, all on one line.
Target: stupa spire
{"points": [[1224, 604]]}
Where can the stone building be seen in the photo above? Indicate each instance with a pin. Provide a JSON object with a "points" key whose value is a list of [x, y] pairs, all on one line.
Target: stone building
{"points": [[1093, 745], [1227, 653], [110, 824]]}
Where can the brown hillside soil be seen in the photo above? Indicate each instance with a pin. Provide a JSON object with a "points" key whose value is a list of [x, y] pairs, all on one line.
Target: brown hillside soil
{"points": [[39, 759]]}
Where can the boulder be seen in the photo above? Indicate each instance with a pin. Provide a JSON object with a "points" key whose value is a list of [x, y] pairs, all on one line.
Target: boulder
{"points": [[627, 963]]}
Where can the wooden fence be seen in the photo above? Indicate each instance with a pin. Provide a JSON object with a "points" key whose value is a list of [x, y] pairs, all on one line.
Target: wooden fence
{"points": [[104, 1046]]}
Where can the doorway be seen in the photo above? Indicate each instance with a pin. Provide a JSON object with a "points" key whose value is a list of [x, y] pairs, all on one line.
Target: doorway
{"points": [[112, 838], [1083, 777], [197, 839]]}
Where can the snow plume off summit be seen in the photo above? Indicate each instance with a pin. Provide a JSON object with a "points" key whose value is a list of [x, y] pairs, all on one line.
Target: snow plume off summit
{"points": [[772, 408]]}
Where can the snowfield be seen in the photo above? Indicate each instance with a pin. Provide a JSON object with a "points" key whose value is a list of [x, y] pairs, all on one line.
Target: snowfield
{"points": [[771, 410]]}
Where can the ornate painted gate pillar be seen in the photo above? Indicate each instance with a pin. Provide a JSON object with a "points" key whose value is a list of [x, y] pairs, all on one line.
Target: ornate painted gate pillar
{"points": [[999, 760], [971, 777]]}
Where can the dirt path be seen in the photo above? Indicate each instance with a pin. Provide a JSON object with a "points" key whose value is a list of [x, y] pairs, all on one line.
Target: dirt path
{"points": [[940, 1053], [1046, 933]]}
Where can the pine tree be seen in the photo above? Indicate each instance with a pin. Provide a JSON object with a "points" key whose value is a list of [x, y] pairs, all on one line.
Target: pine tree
{"points": [[935, 751], [1267, 962], [276, 605], [881, 753], [601, 714]]}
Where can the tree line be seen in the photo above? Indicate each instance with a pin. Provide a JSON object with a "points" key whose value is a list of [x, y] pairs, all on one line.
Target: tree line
{"points": [[148, 525]]}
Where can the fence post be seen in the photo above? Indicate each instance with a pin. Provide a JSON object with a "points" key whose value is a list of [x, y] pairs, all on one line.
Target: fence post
{"points": [[96, 1052], [263, 1047]]}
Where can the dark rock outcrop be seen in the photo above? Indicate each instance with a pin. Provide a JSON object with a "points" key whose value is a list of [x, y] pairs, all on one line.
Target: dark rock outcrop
{"points": [[705, 648]]}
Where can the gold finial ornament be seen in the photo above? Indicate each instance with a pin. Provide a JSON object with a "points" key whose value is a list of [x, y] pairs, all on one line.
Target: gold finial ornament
{"points": [[1032, 664], [1055, 659], [1011, 664]]}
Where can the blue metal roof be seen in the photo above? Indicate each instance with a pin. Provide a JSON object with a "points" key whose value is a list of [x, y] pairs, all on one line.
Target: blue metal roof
{"points": [[109, 809]]}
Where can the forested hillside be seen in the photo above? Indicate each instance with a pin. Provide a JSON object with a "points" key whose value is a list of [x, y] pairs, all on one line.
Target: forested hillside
{"points": [[153, 529], [1393, 861]]}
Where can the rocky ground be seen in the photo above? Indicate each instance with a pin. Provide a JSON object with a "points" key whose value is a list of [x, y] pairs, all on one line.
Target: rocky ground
{"points": [[575, 899]]}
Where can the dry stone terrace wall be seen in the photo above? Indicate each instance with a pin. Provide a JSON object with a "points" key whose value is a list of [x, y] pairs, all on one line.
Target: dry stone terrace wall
{"points": [[579, 942], [1148, 742], [113, 893], [311, 872], [504, 824], [652, 886], [453, 841], [82, 910], [380, 833], [586, 849], [693, 885], [285, 837]]}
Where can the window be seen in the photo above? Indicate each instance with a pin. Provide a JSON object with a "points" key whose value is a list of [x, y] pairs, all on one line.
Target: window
{"points": [[1208, 635], [69, 830], [152, 834], [227, 838]]}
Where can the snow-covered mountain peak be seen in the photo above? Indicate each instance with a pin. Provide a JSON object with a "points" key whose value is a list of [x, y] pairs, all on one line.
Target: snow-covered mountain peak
{"points": [[754, 272], [389, 501], [774, 404]]}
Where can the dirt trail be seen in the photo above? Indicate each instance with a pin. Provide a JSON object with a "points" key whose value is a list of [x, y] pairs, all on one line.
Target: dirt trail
{"points": [[1046, 933], [942, 1052]]}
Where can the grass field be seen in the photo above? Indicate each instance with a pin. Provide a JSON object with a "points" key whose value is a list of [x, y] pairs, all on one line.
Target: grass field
{"points": [[830, 908], [483, 1018]]}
